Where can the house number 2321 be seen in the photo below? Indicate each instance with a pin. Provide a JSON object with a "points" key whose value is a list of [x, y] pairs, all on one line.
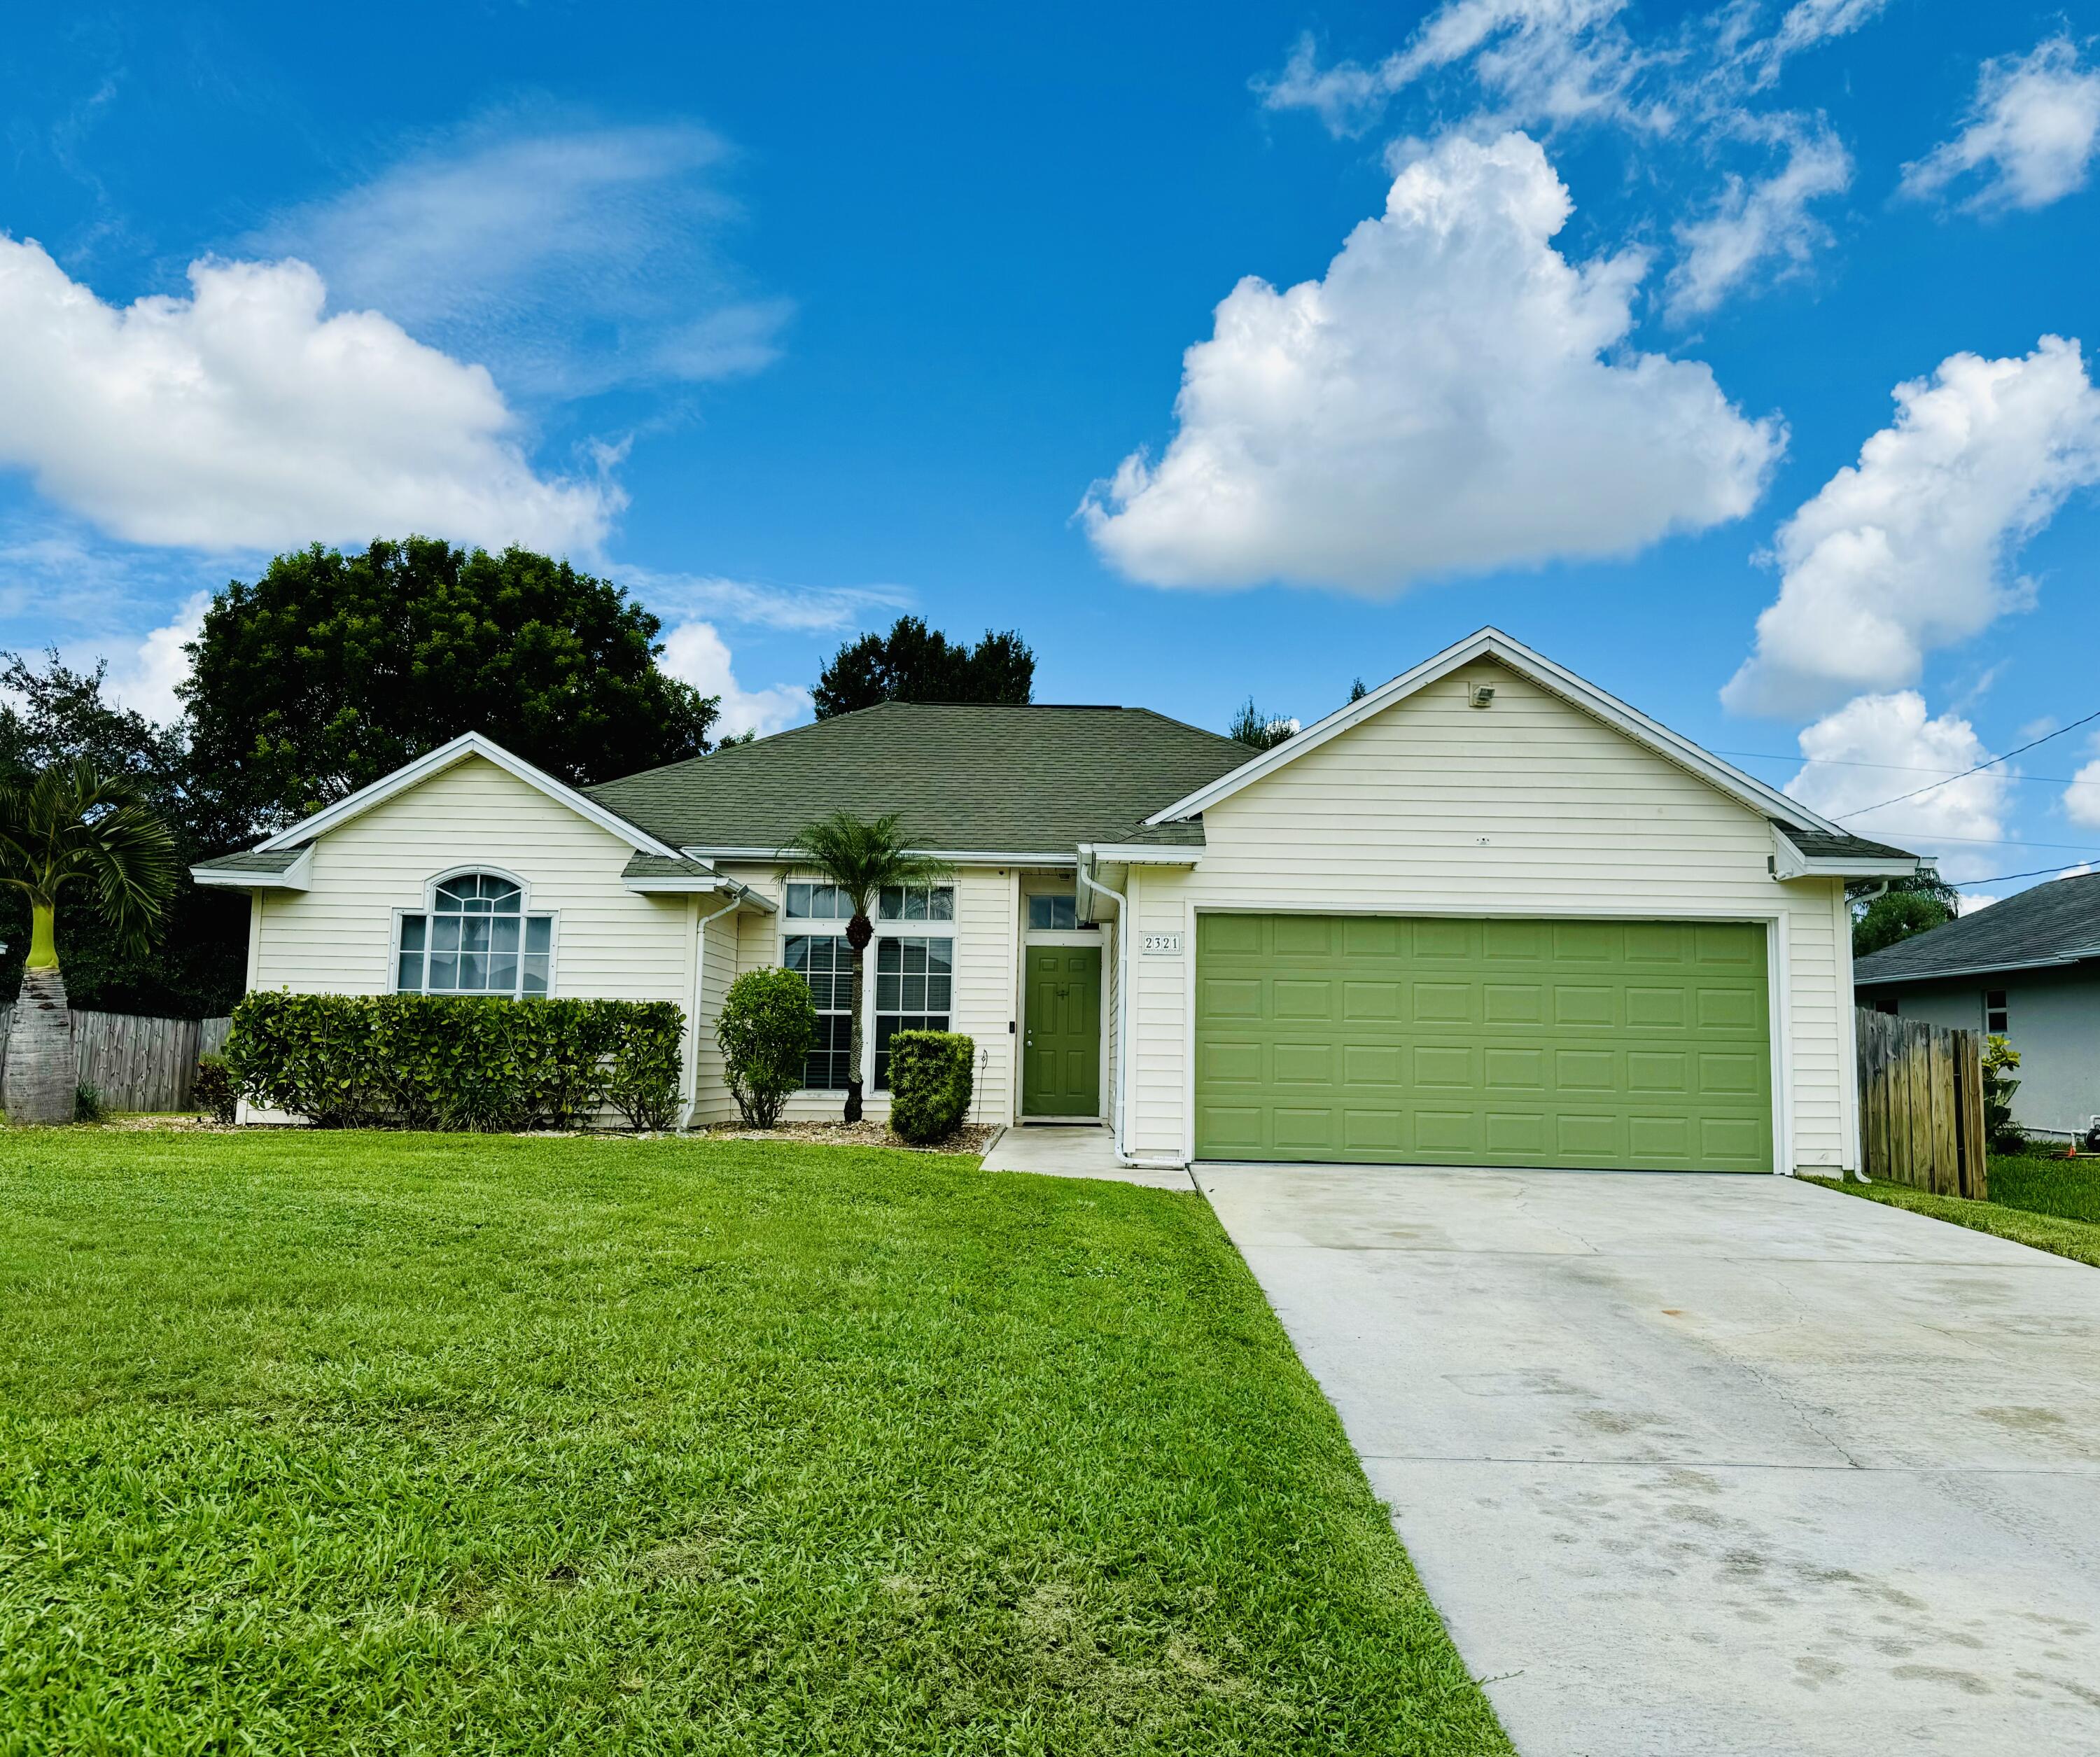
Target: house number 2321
{"points": [[1161, 944]]}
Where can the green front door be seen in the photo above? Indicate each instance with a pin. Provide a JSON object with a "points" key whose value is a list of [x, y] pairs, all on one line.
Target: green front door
{"points": [[1642, 1045], [1061, 1063]]}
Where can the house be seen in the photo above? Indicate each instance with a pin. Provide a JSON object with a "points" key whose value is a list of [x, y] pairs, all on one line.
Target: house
{"points": [[1485, 914], [2028, 970]]}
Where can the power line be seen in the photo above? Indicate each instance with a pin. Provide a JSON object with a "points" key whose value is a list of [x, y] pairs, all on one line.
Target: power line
{"points": [[2000, 878], [1899, 768], [1979, 768]]}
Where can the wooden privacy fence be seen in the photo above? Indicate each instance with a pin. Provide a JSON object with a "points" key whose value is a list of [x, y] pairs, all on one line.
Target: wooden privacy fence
{"points": [[1921, 1105], [136, 1063]]}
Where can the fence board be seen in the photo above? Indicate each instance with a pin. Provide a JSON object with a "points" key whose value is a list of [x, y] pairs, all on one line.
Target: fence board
{"points": [[137, 1063], [1920, 1105]]}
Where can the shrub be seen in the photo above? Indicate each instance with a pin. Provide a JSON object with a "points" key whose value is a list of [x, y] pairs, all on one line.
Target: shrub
{"points": [[422, 1061], [642, 1069], [929, 1083], [2000, 1059], [767, 1029], [87, 1104], [214, 1089]]}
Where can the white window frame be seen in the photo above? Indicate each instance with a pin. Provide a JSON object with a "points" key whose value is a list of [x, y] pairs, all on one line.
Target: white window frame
{"points": [[428, 911], [801, 926]]}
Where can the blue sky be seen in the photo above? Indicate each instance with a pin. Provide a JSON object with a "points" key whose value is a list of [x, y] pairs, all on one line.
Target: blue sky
{"points": [[1585, 319]]}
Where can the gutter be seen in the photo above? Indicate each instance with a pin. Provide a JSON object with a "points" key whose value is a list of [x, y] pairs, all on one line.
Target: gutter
{"points": [[1123, 992]]}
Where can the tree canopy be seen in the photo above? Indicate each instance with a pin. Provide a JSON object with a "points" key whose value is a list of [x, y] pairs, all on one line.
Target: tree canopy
{"points": [[1259, 731], [332, 669], [913, 663], [1908, 907]]}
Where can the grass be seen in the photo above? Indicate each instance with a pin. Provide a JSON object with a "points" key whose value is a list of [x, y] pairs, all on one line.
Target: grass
{"points": [[387, 1443], [2052, 1204]]}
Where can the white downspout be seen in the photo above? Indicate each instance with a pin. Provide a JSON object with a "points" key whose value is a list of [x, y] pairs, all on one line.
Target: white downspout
{"points": [[1122, 993], [699, 983]]}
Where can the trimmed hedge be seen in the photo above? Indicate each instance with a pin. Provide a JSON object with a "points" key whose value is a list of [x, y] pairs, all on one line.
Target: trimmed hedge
{"points": [[214, 1089], [767, 1029], [428, 1062], [931, 1078]]}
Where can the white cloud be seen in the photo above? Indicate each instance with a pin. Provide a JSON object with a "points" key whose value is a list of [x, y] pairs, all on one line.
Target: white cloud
{"points": [[1972, 900], [804, 609], [2081, 798], [695, 653], [1810, 22], [571, 259], [1454, 396], [2033, 126], [1546, 61], [1873, 747], [145, 678], [241, 417], [1756, 222], [1906, 549]]}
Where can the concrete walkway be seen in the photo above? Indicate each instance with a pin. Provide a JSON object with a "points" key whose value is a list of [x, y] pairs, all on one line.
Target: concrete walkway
{"points": [[1054, 1149], [1708, 1464]]}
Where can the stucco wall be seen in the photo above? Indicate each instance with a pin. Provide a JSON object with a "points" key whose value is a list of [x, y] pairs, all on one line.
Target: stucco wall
{"points": [[1529, 807], [2052, 1018]]}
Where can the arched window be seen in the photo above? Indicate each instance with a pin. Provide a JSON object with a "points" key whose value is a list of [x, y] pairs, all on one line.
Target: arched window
{"points": [[475, 938]]}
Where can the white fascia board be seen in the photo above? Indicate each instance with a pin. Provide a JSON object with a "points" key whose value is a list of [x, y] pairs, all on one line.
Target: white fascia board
{"points": [[959, 857], [1147, 854], [444, 756], [298, 876], [653, 887], [1492, 643], [1788, 862]]}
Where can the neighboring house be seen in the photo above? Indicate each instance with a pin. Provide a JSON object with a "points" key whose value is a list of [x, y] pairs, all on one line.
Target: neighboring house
{"points": [[1486, 914], [2028, 970]]}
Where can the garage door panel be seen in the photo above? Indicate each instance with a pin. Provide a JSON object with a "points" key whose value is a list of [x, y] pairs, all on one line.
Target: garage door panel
{"points": [[1498, 1042]]}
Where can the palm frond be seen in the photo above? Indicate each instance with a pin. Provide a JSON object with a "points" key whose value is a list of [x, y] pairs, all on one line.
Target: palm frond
{"points": [[74, 825], [862, 855]]}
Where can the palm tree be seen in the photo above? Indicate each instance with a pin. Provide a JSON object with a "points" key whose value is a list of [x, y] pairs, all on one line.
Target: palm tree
{"points": [[73, 826], [861, 856]]}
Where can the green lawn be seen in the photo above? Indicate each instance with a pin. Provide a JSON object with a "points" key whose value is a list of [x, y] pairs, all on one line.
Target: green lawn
{"points": [[384, 1443], [2052, 1204]]}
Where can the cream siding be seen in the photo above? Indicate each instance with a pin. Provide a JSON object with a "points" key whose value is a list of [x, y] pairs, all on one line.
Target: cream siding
{"points": [[985, 932], [337, 936], [1528, 807]]}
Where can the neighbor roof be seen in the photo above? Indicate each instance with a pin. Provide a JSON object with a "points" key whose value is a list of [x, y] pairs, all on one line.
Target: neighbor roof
{"points": [[964, 778], [2054, 923]]}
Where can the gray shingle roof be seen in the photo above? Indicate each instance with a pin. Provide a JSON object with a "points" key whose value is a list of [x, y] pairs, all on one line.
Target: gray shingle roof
{"points": [[254, 860], [964, 778], [2054, 922], [656, 866], [1818, 844]]}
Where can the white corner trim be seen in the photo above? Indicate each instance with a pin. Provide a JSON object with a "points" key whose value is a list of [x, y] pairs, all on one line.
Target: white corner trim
{"points": [[298, 876], [1557, 680], [1788, 862], [445, 757]]}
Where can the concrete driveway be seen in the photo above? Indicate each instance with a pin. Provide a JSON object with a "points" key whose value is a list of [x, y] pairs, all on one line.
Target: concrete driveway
{"points": [[1699, 1464]]}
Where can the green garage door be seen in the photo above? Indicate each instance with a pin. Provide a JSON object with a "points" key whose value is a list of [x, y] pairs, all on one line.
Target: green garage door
{"points": [[1641, 1044]]}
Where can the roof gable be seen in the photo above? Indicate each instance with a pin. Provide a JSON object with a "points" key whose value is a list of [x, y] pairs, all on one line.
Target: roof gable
{"points": [[461, 749], [1556, 680], [2053, 924]]}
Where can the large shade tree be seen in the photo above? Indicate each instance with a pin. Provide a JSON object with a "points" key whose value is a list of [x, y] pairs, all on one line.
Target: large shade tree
{"points": [[1907, 907], [72, 830], [913, 663], [331, 669], [861, 856]]}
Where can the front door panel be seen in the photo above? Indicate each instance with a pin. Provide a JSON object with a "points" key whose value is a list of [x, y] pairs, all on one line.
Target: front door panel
{"points": [[1062, 1048]]}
